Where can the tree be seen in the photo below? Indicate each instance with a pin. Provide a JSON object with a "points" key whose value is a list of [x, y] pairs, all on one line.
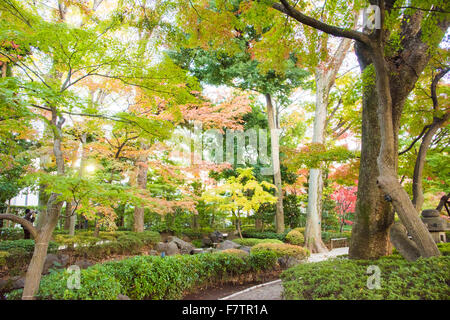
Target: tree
{"points": [[241, 194], [395, 67], [345, 198]]}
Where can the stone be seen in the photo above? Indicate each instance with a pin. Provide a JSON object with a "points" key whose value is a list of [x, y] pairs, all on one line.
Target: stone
{"points": [[161, 247], [216, 236], [430, 213], [51, 261], [12, 283], [227, 244], [206, 242], [64, 260], [122, 297], [153, 253], [84, 263], [183, 246], [435, 223], [172, 249], [288, 262], [245, 248]]}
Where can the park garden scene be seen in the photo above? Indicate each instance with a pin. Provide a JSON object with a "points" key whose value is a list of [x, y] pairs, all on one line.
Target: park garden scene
{"points": [[224, 149]]}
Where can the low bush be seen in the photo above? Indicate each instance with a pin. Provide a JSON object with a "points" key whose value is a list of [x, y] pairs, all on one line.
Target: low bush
{"points": [[238, 252], [26, 244], [282, 250], [153, 277], [345, 279], [11, 233], [444, 248], [300, 229], [197, 243], [295, 237], [250, 242], [3, 257], [264, 235]]}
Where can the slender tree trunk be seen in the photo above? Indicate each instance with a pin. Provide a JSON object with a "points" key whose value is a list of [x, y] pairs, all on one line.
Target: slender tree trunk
{"points": [[44, 234], [142, 164], [258, 224], [275, 151]]}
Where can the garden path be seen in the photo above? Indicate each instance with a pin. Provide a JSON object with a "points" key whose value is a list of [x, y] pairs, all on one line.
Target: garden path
{"points": [[273, 290]]}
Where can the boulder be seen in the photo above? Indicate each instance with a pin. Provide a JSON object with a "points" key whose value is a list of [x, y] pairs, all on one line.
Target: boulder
{"points": [[288, 262], [216, 237], [206, 242], [64, 260], [161, 247], [122, 297], [183, 246], [12, 283], [153, 253], [227, 244], [172, 249], [430, 213], [51, 261], [84, 263], [245, 248]]}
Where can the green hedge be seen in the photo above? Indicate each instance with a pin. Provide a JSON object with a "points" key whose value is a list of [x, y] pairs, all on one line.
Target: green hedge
{"points": [[282, 250], [295, 237], [153, 277], [264, 234], [250, 242], [26, 244], [343, 279], [11, 233]]}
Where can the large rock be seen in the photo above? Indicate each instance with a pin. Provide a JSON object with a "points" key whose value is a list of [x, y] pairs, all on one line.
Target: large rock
{"points": [[206, 242], [183, 246], [51, 261], [216, 237], [161, 247], [84, 263], [153, 253], [227, 244], [172, 249], [288, 262], [12, 283], [245, 248], [430, 213], [122, 297]]}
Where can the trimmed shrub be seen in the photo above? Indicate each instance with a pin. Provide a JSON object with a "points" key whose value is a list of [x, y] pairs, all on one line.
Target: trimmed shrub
{"points": [[26, 244], [250, 242], [237, 252], [344, 279], [295, 237], [153, 277], [264, 235], [444, 248], [282, 250], [11, 233], [95, 285], [300, 229], [3, 257]]}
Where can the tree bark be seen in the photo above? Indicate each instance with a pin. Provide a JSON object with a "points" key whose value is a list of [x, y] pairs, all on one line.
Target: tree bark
{"points": [[275, 152], [142, 164], [24, 223], [50, 220], [373, 215]]}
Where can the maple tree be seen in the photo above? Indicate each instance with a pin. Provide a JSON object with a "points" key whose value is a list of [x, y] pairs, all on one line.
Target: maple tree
{"points": [[345, 198]]}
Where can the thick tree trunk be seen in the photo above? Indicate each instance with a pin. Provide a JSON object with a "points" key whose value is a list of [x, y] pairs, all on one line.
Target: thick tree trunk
{"points": [[24, 223], [142, 164], [386, 160], [275, 151], [373, 215], [258, 224]]}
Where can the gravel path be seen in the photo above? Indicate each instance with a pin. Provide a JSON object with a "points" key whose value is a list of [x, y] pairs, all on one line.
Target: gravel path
{"points": [[273, 290]]}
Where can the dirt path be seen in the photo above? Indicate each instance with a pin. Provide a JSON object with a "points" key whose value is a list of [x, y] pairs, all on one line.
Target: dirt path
{"points": [[273, 290]]}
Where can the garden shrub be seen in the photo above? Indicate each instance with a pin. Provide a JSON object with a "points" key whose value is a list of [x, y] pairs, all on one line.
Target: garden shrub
{"points": [[26, 244], [295, 237], [300, 229], [3, 256], [264, 234], [238, 252], [345, 279], [197, 243], [11, 233], [154, 277], [250, 242], [444, 248], [282, 250], [95, 285], [148, 237]]}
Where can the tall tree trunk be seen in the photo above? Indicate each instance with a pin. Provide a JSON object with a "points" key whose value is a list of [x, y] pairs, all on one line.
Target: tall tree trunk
{"points": [[325, 77], [44, 234], [142, 164], [373, 215], [275, 151]]}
